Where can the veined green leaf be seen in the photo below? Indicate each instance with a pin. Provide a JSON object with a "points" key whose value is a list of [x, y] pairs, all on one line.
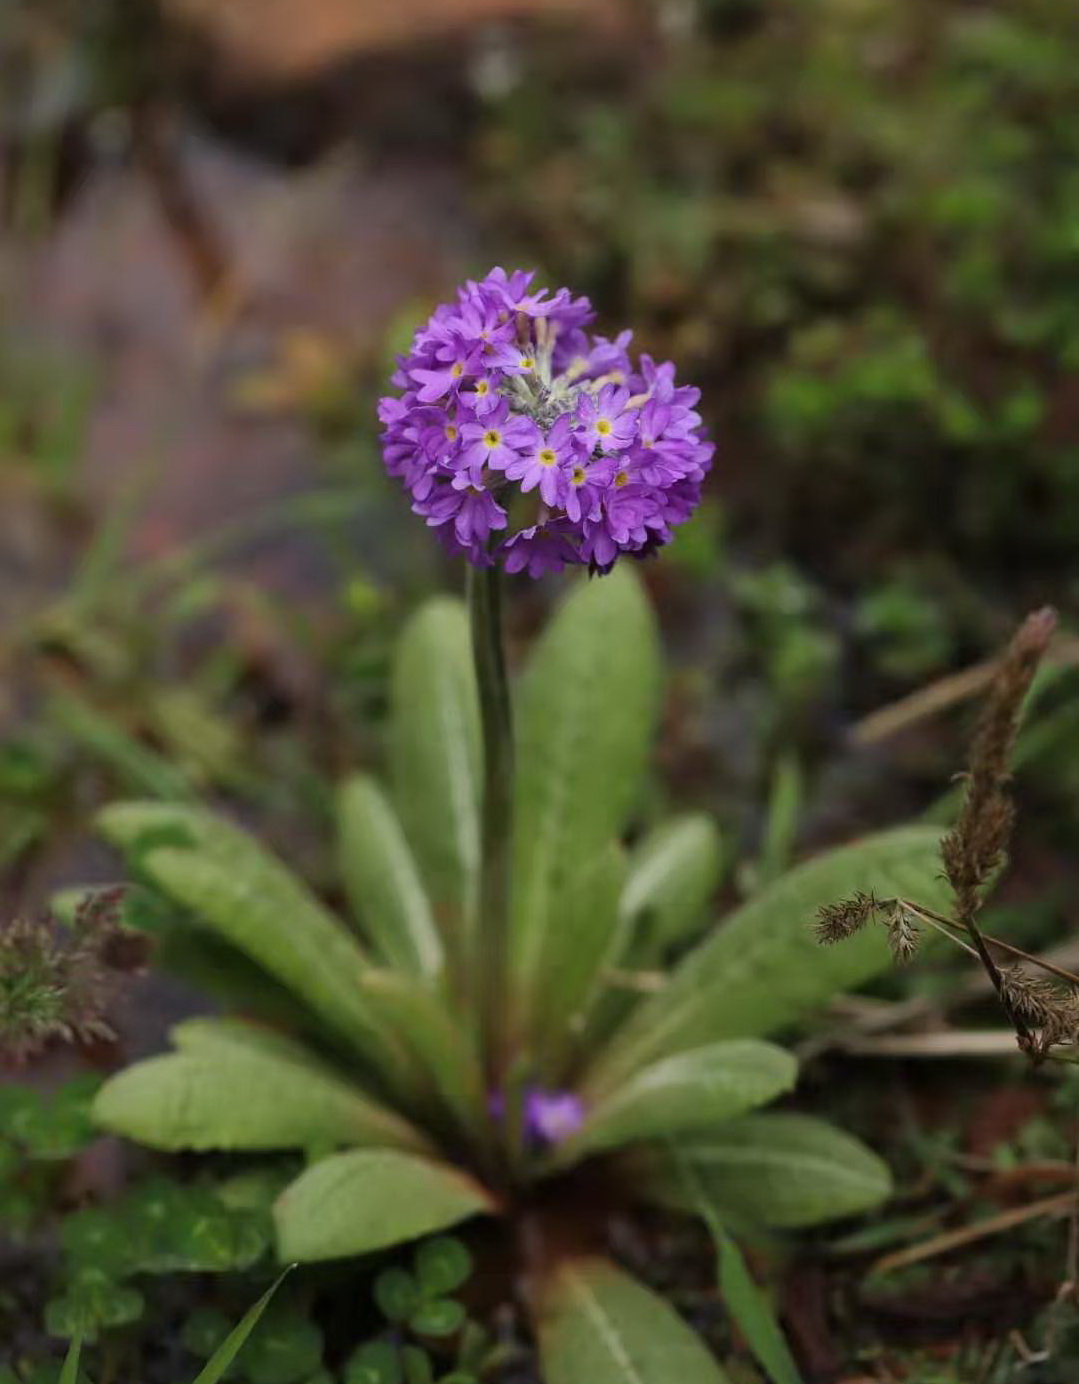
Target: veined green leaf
{"points": [[767, 1169], [356, 1202], [217, 1366], [693, 1090], [383, 880], [442, 1048], [764, 968], [586, 713], [235, 888], [210, 1035], [673, 873], [742, 1296], [435, 757], [597, 1324], [588, 941], [226, 1089]]}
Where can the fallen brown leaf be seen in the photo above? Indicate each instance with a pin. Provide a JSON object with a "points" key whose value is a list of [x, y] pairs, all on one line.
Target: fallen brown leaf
{"points": [[288, 39]]}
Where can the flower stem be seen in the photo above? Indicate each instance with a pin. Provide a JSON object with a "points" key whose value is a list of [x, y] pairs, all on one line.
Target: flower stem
{"points": [[485, 614]]}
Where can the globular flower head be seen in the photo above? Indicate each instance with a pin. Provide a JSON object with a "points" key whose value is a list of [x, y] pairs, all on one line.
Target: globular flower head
{"points": [[527, 442]]}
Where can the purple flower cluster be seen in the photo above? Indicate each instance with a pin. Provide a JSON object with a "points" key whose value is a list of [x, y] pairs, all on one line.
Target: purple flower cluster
{"points": [[528, 442]]}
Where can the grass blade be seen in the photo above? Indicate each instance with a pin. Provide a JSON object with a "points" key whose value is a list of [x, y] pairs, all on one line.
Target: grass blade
{"points": [[70, 1373], [217, 1365]]}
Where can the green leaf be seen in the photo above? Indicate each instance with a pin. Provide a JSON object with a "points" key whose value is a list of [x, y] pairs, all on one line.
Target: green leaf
{"points": [[206, 1036], [209, 963], [94, 1299], [286, 1350], [571, 978], [237, 1089], [753, 1313], [673, 874], [744, 1299], [418, 1367], [768, 1169], [764, 968], [442, 1317], [353, 1203], [238, 890], [586, 712], [437, 1045], [139, 768], [691, 1091], [174, 1228], [397, 1294], [375, 1362], [442, 1265], [474, 1348], [383, 881], [597, 1324], [435, 756], [50, 1128], [70, 1373], [217, 1366], [99, 1237]]}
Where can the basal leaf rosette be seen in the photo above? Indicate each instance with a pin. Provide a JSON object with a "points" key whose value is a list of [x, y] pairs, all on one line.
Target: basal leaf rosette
{"points": [[530, 443]]}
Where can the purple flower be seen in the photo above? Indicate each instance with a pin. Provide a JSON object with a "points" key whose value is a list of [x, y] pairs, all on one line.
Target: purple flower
{"points": [[544, 464], [447, 373], [474, 512], [494, 441], [606, 420], [552, 1116], [508, 391], [483, 397], [539, 549]]}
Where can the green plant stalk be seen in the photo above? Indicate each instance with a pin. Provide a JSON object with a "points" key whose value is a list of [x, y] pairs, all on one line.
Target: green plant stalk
{"points": [[491, 933]]}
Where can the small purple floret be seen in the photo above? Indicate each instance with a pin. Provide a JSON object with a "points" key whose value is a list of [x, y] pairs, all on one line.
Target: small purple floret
{"points": [[552, 1116], [512, 416]]}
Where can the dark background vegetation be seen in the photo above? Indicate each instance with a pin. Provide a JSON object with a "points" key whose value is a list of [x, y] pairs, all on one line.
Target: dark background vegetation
{"points": [[855, 223]]}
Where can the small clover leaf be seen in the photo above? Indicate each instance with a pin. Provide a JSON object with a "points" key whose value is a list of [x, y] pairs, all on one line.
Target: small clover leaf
{"points": [[442, 1265], [93, 1300], [98, 1238], [397, 1294], [377, 1362], [286, 1349], [418, 1367], [474, 1346], [441, 1317]]}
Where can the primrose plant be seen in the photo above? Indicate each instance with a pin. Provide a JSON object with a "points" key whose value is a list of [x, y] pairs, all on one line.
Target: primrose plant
{"points": [[474, 1043]]}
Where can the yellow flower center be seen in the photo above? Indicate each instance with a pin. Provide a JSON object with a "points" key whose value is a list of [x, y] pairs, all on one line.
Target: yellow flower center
{"points": [[621, 479], [451, 433], [458, 370], [482, 388], [579, 476], [528, 363], [603, 427], [548, 457], [492, 438]]}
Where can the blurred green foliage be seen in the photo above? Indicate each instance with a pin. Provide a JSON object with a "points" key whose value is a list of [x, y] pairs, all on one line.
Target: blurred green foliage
{"points": [[858, 222]]}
